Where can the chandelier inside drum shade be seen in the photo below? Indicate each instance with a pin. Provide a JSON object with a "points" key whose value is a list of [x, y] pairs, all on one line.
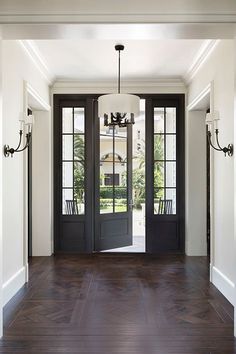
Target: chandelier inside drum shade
{"points": [[118, 108]]}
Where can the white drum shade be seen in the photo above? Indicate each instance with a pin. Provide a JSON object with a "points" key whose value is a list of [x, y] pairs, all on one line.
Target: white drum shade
{"points": [[119, 102]]}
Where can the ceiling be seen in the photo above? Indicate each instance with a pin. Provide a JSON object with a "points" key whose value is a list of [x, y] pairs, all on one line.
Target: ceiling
{"points": [[95, 60]]}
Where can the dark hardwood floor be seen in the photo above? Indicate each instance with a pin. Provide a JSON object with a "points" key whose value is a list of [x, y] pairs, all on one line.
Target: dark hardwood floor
{"points": [[118, 304]]}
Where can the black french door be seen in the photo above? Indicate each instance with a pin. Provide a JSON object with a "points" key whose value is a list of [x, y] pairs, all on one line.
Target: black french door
{"points": [[93, 176], [73, 173], [113, 186], [165, 174]]}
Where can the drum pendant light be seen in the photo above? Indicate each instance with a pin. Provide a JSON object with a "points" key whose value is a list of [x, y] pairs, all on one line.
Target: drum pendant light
{"points": [[120, 108]]}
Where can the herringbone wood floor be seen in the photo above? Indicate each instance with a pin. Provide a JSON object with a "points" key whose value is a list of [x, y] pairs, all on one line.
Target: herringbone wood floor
{"points": [[119, 304]]}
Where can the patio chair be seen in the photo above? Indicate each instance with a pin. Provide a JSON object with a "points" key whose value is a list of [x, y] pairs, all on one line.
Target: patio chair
{"points": [[165, 206], [71, 207]]}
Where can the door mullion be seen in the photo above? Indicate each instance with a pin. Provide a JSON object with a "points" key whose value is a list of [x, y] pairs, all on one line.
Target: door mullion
{"points": [[113, 169]]}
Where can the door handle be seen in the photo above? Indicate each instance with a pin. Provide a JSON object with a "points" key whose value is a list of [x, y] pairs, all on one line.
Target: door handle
{"points": [[131, 204]]}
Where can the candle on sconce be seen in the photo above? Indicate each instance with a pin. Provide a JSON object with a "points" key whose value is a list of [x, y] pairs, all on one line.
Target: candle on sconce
{"points": [[21, 121], [209, 121], [29, 122], [216, 119]]}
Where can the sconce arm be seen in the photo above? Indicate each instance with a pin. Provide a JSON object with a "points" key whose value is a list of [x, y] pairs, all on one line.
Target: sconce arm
{"points": [[210, 142], [28, 139], [226, 150], [10, 151], [21, 133], [217, 139]]}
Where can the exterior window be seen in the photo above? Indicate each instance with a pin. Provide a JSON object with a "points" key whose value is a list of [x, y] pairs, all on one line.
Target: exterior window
{"points": [[111, 179], [164, 153], [113, 169], [73, 160]]}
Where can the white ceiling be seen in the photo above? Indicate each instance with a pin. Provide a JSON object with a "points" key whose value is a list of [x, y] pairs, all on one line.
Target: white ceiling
{"points": [[97, 60]]}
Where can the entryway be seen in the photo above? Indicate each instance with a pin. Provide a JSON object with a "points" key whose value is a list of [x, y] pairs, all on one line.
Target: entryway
{"points": [[114, 186]]}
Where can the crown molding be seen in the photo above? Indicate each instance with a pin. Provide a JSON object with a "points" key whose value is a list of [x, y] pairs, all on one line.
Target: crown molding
{"points": [[39, 18], [203, 54], [37, 59], [139, 83]]}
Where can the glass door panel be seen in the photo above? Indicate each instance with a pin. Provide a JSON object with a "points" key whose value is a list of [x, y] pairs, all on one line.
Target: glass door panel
{"points": [[113, 169]]}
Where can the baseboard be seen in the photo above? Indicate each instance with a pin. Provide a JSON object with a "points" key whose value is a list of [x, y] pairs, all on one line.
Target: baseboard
{"points": [[12, 285], [224, 284]]}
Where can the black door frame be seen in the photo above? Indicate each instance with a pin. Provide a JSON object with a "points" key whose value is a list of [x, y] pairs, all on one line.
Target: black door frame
{"points": [[90, 137]]}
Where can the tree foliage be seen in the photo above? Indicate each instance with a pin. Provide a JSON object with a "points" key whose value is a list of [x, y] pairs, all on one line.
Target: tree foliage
{"points": [[79, 168]]}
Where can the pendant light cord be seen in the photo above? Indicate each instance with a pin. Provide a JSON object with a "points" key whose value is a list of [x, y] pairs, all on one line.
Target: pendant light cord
{"points": [[119, 73], [118, 48]]}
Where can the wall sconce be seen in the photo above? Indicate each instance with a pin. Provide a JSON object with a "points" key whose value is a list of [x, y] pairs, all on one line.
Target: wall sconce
{"points": [[212, 120], [26, 124]]}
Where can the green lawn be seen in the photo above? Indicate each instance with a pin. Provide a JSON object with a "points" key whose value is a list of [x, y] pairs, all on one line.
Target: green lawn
{"points": [[118, 208]]}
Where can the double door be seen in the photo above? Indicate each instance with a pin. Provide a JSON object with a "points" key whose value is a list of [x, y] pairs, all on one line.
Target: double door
{"points": [[93, 176]]}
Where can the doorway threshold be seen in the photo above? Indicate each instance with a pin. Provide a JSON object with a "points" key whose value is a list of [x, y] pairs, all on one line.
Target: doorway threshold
{"points": [[137, 247]]}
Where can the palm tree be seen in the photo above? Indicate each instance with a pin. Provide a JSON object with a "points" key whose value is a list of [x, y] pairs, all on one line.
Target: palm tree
{"points": [[79, 148], [79, 168]]}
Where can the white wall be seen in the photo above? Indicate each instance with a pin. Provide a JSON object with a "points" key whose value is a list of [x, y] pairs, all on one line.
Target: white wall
{"points": [[41, 185], [219, 67], [196, 244], [1, 157], [17, 67]]}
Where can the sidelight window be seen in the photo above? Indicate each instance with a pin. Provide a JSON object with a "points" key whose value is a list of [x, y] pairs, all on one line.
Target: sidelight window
{"points": [[73, 160], [164, 153]]}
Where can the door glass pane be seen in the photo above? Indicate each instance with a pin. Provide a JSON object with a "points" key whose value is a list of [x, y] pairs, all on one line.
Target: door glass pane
{"points": [[158, 195], [106, 149], [170, 174], [79, 186], [171, 196], [165, 201], [67, 196], [106, 185], [120, 199], [67, 174], [67, 120], [159, 175], [170, 147], [120, 149], [170, 120], [121, 173], [106, 173], [79, 120], [79, 147], [158, 120], [159, 150], [67, 147], [106, 199]]}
